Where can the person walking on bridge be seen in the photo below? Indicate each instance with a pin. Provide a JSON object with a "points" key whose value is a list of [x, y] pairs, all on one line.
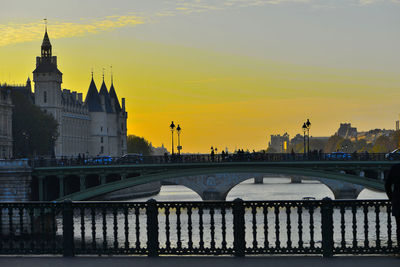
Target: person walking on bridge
{"points": [[392, 187]]}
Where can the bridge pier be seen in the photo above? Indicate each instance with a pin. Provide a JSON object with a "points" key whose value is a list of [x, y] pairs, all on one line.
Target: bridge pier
{"points": [[213, 196], [295, 180], [259, 179], [342, 190]]}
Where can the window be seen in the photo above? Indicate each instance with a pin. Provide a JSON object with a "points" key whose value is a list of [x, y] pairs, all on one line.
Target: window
{"points": [[101, 150], [45, 97], [101, 139], [101, 128], [122, 126]]}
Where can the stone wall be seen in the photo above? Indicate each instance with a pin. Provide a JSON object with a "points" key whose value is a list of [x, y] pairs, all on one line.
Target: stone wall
{"points": [[15, 180]]}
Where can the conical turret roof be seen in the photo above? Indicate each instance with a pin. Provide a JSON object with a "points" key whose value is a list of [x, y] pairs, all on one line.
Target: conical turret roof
{"points": [[93, 98], [114, 98], [107, 101], [46, 41]]}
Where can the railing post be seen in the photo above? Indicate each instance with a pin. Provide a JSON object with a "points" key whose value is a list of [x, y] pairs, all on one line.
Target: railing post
{"points": [[68, 229], [239, 243], [327, 227], [152, 228]]}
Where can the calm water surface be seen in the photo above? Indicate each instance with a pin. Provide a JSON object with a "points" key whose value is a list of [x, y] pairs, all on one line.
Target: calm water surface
{"points": [[272, 189]]}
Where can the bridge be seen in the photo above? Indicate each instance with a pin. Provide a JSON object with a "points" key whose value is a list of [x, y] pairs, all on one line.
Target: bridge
{"points": [[210, 180]]}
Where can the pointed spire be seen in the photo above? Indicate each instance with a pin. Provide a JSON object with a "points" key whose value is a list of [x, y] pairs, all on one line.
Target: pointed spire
{"points": [[46, 45], [93, 98], [113, 95], [112, 82], [104, 93]]}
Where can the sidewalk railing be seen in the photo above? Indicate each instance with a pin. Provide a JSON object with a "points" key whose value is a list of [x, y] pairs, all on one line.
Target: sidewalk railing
{"points": [[206, 158], [308, 227]]}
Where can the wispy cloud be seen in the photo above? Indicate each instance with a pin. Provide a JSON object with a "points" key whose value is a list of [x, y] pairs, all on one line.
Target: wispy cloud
{"points": [[12, 33], [368, 2]]}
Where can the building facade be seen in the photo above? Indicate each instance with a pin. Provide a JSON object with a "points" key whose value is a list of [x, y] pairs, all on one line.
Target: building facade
{"points": [[6, 140], [94, 127], [279, 143]]}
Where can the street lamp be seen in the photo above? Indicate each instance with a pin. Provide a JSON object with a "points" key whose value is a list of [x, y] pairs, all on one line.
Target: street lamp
{"points": [[304, 128], [178, 130], [308, 124], [172, 126]]}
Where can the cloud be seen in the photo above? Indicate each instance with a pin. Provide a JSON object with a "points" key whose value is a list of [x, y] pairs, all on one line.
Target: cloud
{"points": [[12, 33], [368, 2]]}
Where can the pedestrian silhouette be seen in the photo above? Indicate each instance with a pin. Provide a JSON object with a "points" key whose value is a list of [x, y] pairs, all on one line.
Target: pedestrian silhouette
{"points": [[392, 187]]}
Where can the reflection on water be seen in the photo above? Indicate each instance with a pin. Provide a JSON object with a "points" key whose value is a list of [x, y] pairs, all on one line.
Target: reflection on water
{"points": [[272, 189]]}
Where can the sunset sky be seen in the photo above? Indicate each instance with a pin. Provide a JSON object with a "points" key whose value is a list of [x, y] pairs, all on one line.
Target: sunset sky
{"points": [[230, 72]]}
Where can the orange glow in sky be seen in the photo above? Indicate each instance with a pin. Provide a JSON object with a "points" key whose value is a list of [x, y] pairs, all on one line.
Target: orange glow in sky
{"points": [[229, 84]]}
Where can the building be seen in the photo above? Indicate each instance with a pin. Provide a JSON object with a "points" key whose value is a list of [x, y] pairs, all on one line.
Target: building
{"points": [[279, 143], [6, 140], [346, 131], [96, 126]]}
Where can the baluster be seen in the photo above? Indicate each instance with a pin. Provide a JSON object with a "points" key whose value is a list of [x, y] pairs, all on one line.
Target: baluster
{"points": [[167, 228], [201, 243], [137, 227], [342, 227], [115, 212], [265, 212], [366, 242], [354, 212], [104, 213], [378, 238], [126, 228], [212, 228], [1, 228], [223, 228], [42, 228], [21, 227], [389, 225], [54, 226], [178, 227], [11, 231], [189, 213], [31, 211], [312, 243], [277, 227], [300, 219], [93, 214], [254, 226], [288, 227], [83, 245]]}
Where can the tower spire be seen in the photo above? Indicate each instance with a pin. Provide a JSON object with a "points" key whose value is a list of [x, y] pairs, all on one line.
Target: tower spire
{"points": [[46, 45], [92, 73], [45, 24], [103, 74], [111, 75]]}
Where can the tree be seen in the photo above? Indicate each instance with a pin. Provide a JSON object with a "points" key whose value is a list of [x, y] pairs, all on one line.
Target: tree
{"points": [[333, 143], [139, 145], [382, 145], [34, 132], [395, 140]]}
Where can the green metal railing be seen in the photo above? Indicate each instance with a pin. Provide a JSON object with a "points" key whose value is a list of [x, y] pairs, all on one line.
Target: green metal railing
{"points": [[307, 227]]}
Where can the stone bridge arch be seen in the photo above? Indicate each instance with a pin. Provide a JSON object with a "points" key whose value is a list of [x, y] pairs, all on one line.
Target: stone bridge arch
{"points": [[215, 183], [217, 186]]}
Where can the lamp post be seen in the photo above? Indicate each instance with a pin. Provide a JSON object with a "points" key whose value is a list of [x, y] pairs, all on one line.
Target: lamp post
{"points": [[178, 130], [304, 128], [172, 126], [308, 124]]}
